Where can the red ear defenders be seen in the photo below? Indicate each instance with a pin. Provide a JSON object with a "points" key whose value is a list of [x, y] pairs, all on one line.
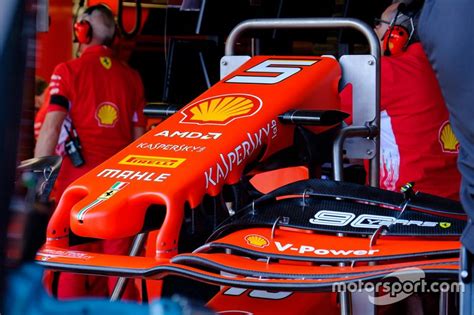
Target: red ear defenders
{"points": [[83, 32], [83, 29], [395, 40]]}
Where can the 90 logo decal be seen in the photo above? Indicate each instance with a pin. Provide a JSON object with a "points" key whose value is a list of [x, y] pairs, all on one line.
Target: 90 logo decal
{"points": [[367, 221]]}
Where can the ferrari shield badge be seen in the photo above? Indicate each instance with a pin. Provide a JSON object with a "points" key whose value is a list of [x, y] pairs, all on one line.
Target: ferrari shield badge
{"points": [[106, 62]]}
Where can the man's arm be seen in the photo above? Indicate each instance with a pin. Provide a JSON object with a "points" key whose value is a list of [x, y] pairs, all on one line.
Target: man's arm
{"points": [[138, 132], [49, 134], [139, 120]]}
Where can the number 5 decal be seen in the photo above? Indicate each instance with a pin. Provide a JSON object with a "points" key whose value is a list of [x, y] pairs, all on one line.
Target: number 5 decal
{"points": [[281, 69]]}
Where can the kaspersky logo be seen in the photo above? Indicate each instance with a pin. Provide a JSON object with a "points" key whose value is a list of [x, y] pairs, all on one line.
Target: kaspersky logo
{"points": [[221, 110], [447, 139], [257, 240], [152, 161]]}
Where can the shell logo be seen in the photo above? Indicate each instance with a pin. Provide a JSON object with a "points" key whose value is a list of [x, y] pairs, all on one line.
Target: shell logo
{"points": [[107, 115], [221, 110], [447, 139], [257, 240]]}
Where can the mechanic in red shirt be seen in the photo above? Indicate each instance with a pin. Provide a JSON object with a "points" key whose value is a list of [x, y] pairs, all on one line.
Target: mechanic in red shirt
{"points": [[99, 100], [41, 101], [417, 142]]}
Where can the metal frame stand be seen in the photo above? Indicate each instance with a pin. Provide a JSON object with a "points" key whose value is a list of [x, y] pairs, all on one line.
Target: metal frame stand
{"points": [[366, 106], [465, 278], [121, 284]]}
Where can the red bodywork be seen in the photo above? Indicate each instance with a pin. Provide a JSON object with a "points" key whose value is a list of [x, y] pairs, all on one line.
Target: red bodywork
{"points": [[220, 132], [197, 151]]}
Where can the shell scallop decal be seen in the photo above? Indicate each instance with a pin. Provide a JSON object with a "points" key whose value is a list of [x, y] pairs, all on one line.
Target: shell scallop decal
{"points": [[221, 109], [449, 142], [257, 240], [107, 115]]}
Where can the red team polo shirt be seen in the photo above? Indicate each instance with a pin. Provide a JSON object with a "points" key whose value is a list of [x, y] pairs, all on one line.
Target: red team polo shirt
{"points": [[106, 101], [417, 142]]}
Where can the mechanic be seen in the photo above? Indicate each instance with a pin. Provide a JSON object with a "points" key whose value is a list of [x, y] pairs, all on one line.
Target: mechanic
{"points": [[96, 105], [40, 88], [41, 101], [416, 139], [446, 32]]}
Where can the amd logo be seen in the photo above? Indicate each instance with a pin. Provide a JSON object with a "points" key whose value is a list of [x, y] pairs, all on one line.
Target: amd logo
{"points": [[365, 221], [189, 134]]}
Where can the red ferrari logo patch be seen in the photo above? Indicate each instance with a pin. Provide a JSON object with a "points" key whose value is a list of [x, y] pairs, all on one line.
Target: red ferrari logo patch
{"points": [[221, 110]]}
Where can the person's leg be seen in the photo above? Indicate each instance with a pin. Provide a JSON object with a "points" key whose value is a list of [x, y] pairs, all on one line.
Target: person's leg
{"points": [[446, 31], [71, 285]]}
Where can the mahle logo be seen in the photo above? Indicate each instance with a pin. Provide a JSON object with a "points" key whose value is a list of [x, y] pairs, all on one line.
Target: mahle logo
{"points": [[152, 161], [221, 110]]}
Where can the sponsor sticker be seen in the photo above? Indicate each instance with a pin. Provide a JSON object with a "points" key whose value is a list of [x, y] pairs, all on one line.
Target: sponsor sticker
{"points": [[170, 147], [257, 240], [152, 161], [53, 253], [107, 115], [133, 175], [367, 221], [221, 110], [188, 134], [303, 249], [103, 197], [219, 172]]}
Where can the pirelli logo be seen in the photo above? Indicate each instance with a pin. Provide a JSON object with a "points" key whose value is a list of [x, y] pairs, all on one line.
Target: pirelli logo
{"points": [[152, 161]]}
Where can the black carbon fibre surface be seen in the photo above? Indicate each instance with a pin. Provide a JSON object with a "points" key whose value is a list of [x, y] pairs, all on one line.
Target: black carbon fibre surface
{"points": [[268, 255], [329, 188], [207, 263], [338, 207]]}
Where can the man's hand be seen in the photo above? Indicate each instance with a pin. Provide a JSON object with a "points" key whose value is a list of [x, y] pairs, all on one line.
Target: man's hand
{"points": [[49, 134]]}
